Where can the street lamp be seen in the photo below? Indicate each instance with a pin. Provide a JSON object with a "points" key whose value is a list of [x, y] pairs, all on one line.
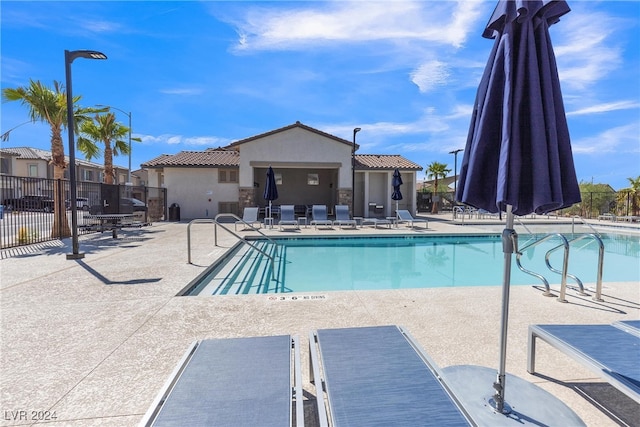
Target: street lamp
{"points": [[69, 57], [128, 115], [455, 170], [353, 172]]}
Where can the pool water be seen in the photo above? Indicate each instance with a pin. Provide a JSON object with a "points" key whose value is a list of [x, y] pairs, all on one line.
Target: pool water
{"points": [[370, 263]]}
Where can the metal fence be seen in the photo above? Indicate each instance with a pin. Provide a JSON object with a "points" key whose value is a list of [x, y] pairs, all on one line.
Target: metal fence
{"points": [[31, 213], [594, 204]]}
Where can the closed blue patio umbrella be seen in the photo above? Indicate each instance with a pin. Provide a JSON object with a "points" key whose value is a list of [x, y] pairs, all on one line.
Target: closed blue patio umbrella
{"points": [[270, 188], [396, 182], [518, 155]]}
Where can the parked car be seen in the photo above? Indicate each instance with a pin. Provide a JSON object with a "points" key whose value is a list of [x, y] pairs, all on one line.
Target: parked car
{"points": [[81, 203], [24, 203], [138, 205]]}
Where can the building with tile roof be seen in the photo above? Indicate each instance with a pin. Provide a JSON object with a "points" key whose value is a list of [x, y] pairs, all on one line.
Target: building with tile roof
{"points": [[311, 167], [35, 163]]}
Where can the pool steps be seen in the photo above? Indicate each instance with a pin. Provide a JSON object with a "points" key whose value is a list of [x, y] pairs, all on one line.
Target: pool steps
{"points": [[250, 273]]}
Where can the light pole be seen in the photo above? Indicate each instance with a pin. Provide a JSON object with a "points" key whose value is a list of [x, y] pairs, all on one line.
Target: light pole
{"points": [[353, 172], [69, 57], [128, 115], [455, 170]]}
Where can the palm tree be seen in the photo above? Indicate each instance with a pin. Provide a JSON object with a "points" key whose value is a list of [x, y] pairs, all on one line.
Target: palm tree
{"points": [[436, 170], [49, 105], [630, 194], [103, 129]]}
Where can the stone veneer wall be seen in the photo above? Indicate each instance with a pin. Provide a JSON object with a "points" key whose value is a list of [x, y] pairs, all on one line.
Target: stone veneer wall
{"points": [[344, 198], [246, 198]]}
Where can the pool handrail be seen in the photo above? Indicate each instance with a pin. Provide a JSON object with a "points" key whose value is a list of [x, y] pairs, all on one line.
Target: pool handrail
{"points": [[563, 283], [573, 223], [598, 240], [241, 238]]}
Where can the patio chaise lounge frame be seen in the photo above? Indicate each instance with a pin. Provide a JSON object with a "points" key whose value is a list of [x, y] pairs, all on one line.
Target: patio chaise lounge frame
{"points": [[611, 351], [216, 379], [405, 217], [249, 217], [379, 376], [376, 222], [343, 219], [288, 217], [319, 216]]}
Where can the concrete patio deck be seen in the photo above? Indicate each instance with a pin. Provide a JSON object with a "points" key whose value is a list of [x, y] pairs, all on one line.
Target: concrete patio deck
{"points": [[93, 340]]}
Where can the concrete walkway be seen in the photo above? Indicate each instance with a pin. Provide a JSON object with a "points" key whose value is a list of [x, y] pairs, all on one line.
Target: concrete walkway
{"points": [[92, 341]]}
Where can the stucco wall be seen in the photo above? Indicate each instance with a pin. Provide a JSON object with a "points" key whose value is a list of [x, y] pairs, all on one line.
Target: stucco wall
{"points": [[197, 191], [296, 146]]}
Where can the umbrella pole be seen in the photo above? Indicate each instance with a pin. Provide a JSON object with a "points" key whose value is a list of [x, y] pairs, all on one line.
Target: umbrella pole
{"points": [[509, 247]]}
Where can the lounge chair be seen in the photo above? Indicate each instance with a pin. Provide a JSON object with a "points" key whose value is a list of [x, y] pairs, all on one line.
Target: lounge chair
{"points": [[249, 217], [319, 216], [376, 222], [288, 217], [404, 216], [378, 376], [343, 218], [233, 382], [611, 351]]}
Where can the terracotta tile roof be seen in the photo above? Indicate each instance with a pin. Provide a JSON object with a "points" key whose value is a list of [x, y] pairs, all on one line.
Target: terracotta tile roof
{"points": [[385, 161], [209, 157], [282, 129], [30, 153]]}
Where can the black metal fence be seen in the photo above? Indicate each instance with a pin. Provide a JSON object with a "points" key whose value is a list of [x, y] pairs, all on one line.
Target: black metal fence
{"points": [[594, 204], [31, 213]]}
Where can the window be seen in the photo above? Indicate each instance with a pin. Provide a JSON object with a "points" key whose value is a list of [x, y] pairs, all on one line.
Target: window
{"points": [[278, 178], [227, 176], [87, 175], [5, 166], [33, 170], [313, 179], [229, 207]]}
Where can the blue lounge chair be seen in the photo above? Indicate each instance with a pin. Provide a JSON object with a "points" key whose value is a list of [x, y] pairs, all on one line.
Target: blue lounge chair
{"points": [[249, 217], [611, 351], [233, 382], [379, 376], [288, 217], [404, 216], [319, 216], [342, 217]]}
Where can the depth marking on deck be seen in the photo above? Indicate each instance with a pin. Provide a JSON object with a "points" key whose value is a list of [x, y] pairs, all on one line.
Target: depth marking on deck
{"points": [[296, 297]]}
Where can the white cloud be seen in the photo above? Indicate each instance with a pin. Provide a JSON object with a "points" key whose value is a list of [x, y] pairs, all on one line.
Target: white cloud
{"points": [[445, 23], [605, 108], [430, 75], [586, 51], [182, 91], [197, 141], [621, 139]]}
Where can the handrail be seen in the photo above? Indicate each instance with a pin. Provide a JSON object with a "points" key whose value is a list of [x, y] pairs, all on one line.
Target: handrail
{"points": [[598, 295], [574, 277], [565, 243], [238, 219], [202, 220], [573, 223], [242, 239], [523, 224]]}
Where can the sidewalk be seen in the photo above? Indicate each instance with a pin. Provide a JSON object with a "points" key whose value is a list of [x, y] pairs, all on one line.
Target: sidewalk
{"points": [[93, 341]]}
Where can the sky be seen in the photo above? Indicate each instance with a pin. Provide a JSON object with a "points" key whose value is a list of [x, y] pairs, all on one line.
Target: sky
{"points": [[202, 74]]}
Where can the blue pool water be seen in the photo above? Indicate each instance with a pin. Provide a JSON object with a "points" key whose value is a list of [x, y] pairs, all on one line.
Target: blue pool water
{"points": [[369, 263]]}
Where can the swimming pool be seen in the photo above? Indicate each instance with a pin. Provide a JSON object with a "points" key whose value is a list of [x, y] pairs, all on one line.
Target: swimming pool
{"points": [[375, 263]]}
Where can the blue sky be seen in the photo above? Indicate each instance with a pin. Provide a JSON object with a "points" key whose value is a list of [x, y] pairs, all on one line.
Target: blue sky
{"points": [[204, 74]]}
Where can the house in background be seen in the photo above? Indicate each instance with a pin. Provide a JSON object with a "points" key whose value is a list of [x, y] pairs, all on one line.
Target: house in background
{"points": [[35, 163], [311, 167]]}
